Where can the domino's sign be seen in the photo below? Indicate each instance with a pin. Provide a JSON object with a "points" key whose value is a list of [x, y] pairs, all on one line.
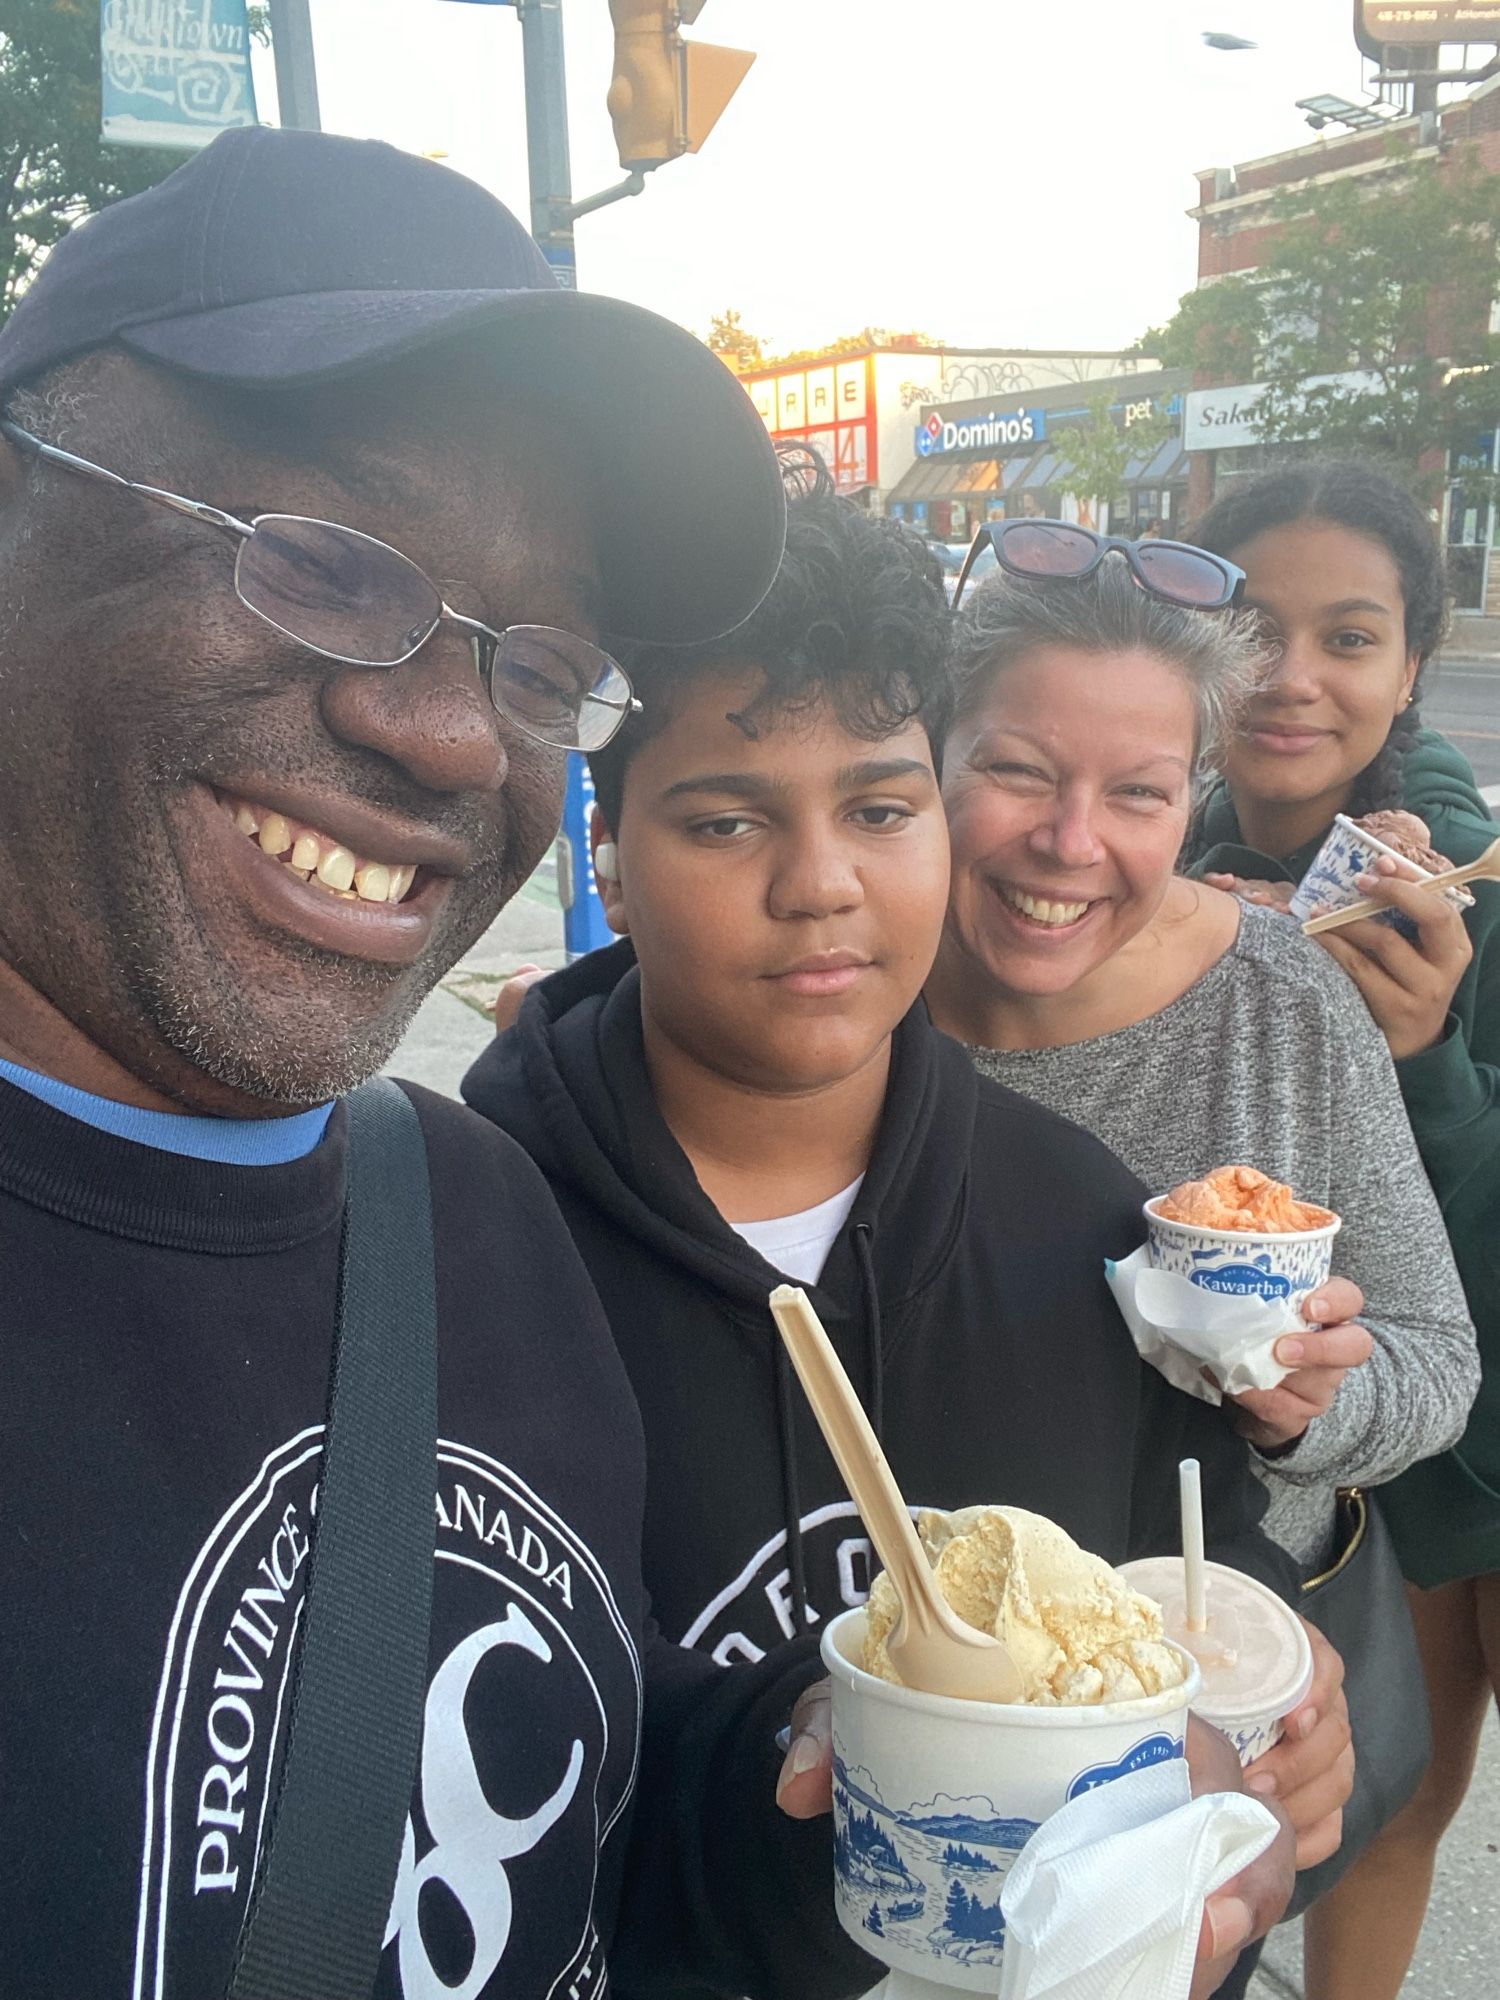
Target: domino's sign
{"points": [[996, 430]]}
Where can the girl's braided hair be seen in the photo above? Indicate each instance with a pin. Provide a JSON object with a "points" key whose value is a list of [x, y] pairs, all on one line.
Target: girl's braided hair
{"points": [[1366, 500]]}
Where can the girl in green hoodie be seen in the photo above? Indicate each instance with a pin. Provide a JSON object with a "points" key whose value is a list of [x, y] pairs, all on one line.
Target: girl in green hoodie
{"points": [[1346, 573]]}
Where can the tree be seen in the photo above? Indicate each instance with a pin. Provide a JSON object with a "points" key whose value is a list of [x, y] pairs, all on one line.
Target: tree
{"points": [[54, 168], [1096, 451], [858, 343], [1389, 282], [734, 343]]}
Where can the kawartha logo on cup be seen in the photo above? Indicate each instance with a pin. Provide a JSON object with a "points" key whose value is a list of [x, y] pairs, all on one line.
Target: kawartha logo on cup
{"points": [[1150, 1750], [1269, 1266], [524, 1625], [1253, 1278]]}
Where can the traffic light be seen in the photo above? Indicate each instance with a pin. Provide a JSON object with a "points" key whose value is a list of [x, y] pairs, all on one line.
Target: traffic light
{"points": [[667, 94]]}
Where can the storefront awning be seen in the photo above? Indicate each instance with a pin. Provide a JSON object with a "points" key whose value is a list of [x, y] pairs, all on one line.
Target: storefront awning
{"points": [[1167, 466], [923, 481], [982, 476], [1041, 471], [951, 478]]}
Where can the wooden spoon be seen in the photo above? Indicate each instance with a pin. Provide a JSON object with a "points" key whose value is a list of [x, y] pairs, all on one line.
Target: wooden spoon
{"points": [[1485, 869], [931, 1647]]}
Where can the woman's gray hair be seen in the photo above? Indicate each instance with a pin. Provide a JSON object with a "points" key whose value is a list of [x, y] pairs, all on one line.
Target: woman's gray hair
{"points": [[1219, 654]]}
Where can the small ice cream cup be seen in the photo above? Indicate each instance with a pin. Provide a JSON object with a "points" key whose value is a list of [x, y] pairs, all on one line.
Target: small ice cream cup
{"points": [[933, 1800], [1331, 881], [1255, 1658], [1284, 1264]]}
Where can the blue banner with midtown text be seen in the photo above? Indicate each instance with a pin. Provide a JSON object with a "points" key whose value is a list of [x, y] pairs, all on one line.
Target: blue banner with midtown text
{"points": [[174, 72]]}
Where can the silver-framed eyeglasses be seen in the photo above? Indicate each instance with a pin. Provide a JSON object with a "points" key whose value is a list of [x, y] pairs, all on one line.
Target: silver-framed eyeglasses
{"points": [[345, 595]]}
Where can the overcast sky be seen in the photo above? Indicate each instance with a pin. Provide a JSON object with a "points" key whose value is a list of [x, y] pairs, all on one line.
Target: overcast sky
{"points": [[992, 172]]}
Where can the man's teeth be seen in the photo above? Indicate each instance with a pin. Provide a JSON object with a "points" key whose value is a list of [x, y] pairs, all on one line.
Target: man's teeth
{"points": [[336, 868], [1042, 912], [315, 857]]}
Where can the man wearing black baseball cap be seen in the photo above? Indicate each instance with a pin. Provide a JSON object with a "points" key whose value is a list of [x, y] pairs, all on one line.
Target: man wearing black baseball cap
{"points": [[320, 508]]}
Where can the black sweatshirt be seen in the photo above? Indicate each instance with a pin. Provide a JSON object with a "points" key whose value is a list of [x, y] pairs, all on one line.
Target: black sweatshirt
{"points": [[165, 1333], [965, 1293]]}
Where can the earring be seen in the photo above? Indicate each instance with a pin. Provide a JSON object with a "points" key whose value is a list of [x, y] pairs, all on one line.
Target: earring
{"points": [[1407, 703], [607, 861]]}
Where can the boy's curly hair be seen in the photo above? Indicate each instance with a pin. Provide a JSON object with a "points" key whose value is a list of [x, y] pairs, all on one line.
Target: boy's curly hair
{"points": [[857, 619]]}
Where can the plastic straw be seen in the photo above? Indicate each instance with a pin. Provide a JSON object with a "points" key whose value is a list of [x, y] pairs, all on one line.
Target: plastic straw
{"points": [[1190, 1487]]}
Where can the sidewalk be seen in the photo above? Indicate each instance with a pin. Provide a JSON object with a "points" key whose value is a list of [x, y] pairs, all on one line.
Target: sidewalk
{"points": [[1471, 637], [452, 1026], [1460, 1945]]}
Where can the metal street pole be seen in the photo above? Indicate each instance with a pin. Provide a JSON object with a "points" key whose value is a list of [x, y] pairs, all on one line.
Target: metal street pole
{"points": [[553, 211], [547, 163], [296, 72]]}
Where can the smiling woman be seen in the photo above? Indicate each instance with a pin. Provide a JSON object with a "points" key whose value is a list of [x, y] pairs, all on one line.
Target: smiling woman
{"points": [[1186, 1030], [1181, 1028]]}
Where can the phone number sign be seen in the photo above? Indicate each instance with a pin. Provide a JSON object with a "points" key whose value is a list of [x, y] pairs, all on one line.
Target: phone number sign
{"points": [[1438, 21]]}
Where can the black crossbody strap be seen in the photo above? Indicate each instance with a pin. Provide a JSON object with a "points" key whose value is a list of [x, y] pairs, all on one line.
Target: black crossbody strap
{"points": [[316, 1919]]}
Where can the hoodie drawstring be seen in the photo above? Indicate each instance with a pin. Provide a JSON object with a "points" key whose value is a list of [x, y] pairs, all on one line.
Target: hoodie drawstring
{"points": [[864, 1256]]}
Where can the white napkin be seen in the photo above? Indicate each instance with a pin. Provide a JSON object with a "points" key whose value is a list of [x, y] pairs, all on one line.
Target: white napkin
{"points": [[1106, 1899], [1181, 1329]]}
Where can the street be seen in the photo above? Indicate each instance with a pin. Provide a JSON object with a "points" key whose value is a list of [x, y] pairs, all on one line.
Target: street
{"points": [[1463, 700]]}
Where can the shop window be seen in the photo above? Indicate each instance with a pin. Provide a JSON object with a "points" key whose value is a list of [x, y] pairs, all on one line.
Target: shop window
{"points": [[1471, 522]]}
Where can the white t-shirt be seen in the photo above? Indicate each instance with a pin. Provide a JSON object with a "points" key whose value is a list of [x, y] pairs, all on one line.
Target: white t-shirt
{"points": [[798, 1245]]}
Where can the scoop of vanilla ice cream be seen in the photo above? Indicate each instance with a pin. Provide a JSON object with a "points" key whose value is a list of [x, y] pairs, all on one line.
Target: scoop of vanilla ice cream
{"points": [[1077, 1632]]}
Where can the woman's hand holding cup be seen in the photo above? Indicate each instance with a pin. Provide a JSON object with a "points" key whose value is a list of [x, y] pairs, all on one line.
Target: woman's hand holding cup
{"points": [[1319, 1361]]}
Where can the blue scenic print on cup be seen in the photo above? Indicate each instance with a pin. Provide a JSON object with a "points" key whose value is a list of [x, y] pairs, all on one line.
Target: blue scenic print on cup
{"points": [[1331, 882], [927, 1875]]}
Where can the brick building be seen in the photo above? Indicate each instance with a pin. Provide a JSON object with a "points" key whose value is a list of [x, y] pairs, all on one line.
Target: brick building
{"points": [[1235, 231]]}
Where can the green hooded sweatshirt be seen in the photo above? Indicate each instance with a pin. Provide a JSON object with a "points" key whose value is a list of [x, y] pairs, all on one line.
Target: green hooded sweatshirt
{"points": [[1444, 1512]]}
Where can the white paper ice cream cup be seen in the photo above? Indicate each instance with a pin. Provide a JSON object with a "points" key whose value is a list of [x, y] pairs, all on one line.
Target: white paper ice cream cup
{"points": [[934, 1798], [1331, 882], [1281, 1265], [1256, 1658]]}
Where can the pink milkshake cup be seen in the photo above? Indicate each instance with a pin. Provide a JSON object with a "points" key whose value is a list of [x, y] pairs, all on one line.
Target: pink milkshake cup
{"points": [[1255, 1657]]}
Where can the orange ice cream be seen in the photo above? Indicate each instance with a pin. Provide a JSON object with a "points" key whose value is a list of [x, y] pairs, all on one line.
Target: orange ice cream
{"points": [[1241, 1198]]}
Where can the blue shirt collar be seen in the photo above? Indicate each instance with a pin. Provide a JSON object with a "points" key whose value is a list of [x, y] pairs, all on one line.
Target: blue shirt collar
{"points": [[234, 1142]]}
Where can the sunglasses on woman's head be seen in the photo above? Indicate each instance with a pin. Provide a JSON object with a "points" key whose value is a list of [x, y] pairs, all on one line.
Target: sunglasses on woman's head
{"points": [[356, 600], [1058, 551]]}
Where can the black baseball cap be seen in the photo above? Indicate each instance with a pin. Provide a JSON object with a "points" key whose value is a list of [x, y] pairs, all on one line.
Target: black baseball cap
{"points": [[275, 259]]}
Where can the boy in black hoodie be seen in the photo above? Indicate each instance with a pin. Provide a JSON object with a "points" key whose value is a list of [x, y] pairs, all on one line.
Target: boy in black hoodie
{"points": [[750, 1089]]}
